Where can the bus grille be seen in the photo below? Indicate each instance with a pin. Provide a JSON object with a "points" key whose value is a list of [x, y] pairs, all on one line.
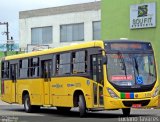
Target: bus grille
{"points": [[130, 103]]}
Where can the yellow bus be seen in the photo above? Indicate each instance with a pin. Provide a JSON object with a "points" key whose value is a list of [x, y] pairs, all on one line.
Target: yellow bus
{"points": [[96, 75]]}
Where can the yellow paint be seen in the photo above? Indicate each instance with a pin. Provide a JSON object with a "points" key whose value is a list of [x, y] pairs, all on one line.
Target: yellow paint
{"points": [[60, 90]]}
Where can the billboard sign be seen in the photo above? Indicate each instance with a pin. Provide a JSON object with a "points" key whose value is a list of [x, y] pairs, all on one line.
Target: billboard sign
{"points": [[143, 15]]}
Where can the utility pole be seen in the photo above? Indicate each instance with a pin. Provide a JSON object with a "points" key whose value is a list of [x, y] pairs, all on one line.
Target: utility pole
{"points": [[7, 25], [7, 33], [9, 42]]}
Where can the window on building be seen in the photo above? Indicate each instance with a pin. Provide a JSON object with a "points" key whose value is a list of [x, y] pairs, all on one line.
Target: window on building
{"points": [[72, 32], [23, 68], [96, 30], [5, 70], [41, 35]]}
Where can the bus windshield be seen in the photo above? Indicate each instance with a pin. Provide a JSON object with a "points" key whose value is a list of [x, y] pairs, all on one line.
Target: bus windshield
{"points": [[131, 69]]}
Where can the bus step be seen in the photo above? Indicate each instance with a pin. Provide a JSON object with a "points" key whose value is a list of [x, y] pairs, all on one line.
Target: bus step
{"points": [[96, 109], [47, 106]]}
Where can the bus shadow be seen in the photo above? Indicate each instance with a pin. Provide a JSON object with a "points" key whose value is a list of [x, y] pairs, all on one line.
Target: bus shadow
{"points": [[75, 114]]}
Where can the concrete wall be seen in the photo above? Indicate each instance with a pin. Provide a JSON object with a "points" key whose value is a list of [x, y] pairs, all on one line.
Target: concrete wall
{"points": [[55, 21], [116, 23], [55, 16]]}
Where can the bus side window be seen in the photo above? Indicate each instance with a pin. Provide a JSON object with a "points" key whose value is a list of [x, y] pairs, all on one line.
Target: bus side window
{"points": [[72, 63], [12, 72], [80, 62], [65, 64], [54, 65], [34, 67], [23, 68], [5, 70], [57, 64], [46, 68]]}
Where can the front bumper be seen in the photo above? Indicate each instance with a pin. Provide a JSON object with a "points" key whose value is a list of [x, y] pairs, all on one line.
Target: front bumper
{"points": [[111, 103]]}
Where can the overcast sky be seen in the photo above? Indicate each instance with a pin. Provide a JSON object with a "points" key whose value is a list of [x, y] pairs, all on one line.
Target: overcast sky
{"points": [[9, 12]]}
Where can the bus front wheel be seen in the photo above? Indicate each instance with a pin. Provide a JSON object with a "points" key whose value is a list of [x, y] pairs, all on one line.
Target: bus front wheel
{"points": [[126, 111], [82, 106]]}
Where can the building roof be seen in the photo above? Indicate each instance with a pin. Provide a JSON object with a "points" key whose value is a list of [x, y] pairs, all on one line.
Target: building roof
{"points": [[60, 10]]}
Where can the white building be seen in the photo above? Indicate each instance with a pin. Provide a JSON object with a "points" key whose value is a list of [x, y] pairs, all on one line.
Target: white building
{"points": [[60, 26]]}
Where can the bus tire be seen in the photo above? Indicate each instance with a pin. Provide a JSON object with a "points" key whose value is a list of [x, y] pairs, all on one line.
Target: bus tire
{"points": [[126, 111], [27, 104], [82, 106]]}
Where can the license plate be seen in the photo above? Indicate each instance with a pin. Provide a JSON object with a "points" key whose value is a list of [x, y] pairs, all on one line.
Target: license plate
{"points": [[136, 106]]}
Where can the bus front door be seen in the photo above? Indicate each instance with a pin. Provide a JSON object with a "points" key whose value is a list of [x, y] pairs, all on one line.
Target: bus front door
{"points": [[13, 72], [97, 75], [46, 73]]}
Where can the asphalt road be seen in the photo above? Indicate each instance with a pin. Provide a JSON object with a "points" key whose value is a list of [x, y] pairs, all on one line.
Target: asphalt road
{"points": [[15, 113]]}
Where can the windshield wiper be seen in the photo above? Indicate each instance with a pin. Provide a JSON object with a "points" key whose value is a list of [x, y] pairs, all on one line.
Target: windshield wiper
{"points": [[120, 57], [136, 66]]}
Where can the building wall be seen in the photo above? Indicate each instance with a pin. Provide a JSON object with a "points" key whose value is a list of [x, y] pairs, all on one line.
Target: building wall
{"points": [[116, 23], [86, 17]]}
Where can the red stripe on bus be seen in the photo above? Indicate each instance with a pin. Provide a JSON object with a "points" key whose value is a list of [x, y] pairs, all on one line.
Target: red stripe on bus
{"points": [[127, 95]]}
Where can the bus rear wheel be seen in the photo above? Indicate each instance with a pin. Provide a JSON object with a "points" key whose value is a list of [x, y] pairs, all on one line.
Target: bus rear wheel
{"points": [[126, 111], [82, 106], [27, 104]]}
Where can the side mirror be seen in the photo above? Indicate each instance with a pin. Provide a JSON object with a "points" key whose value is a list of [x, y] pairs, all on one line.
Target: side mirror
{"points": [[104, 60], [101, 50]]}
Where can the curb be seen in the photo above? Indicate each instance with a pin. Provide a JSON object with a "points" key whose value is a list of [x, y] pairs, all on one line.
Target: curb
{"points": [[3, 103]]}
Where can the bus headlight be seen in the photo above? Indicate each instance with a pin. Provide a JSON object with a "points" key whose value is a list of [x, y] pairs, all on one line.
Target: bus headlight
{"points": [[156, 92], [112, 93]]}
